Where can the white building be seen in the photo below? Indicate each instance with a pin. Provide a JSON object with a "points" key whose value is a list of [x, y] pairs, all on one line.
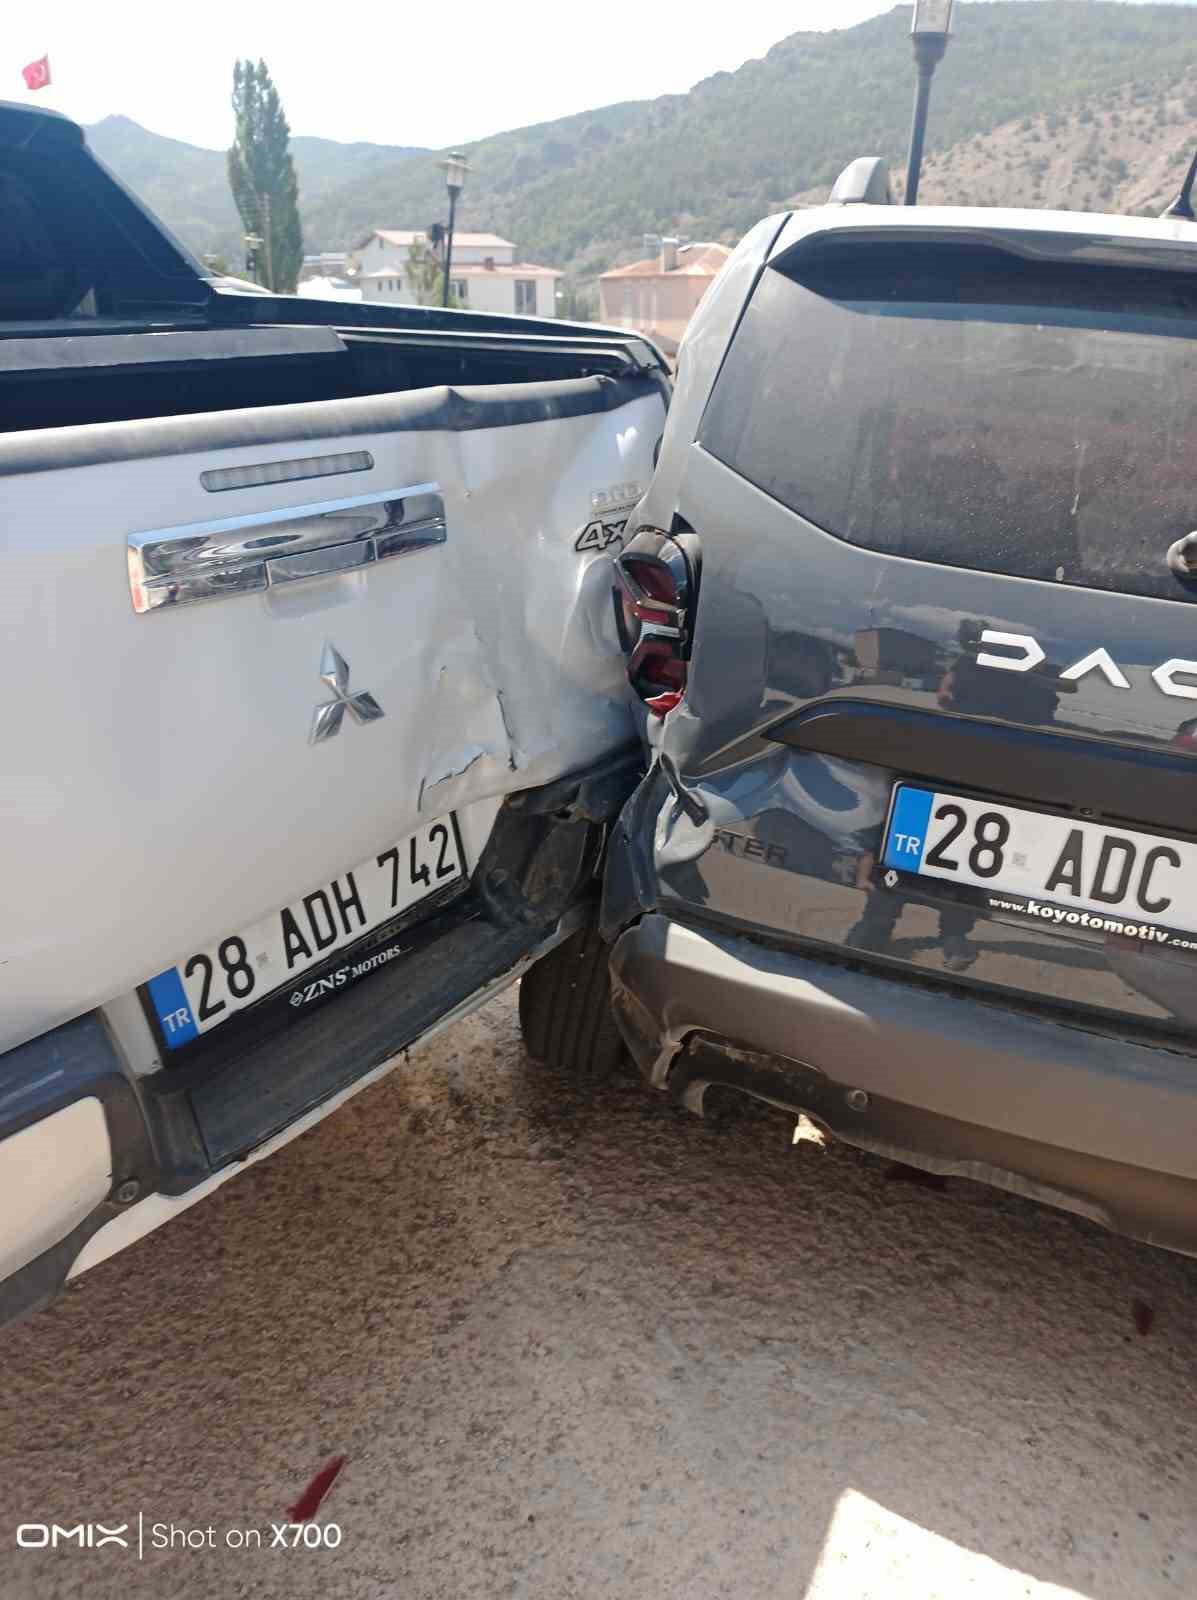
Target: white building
{"points": [[328, 289], [327, 264], [485, 274]]}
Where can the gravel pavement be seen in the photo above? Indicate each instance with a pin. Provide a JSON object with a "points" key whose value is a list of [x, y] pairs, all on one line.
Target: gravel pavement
{"points": [[574, 1342]]}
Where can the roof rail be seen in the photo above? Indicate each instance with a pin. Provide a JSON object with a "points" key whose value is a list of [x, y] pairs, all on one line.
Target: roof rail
{"points": [[863, 182]]}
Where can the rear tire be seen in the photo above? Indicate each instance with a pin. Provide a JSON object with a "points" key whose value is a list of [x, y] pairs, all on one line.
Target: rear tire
{"points": [[565, 1009]]}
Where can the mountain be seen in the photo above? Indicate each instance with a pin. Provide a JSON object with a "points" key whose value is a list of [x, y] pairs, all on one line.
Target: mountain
{"points": [[709, 163], [580, 191], [188, 187], [1123, 151]]}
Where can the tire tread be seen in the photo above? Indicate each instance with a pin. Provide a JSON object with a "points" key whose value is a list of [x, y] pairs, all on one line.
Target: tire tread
{"points": [[565, 1009]]}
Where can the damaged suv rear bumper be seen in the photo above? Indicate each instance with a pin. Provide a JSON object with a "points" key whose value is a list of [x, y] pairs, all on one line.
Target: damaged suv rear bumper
{"points": [[1091, 1123]]}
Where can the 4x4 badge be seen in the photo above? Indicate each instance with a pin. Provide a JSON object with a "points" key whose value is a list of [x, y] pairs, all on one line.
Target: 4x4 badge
{"points": [[598, 535], [361, 705]]}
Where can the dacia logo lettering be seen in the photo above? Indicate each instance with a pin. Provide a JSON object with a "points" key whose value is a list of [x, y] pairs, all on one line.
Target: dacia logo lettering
{"points": [[361, 706], [1028, 654]]}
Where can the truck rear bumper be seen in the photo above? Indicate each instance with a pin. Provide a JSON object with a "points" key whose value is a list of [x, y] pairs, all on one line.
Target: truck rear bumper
{"points": [[75, 1151], [1094, 1124], [93, 1155]]}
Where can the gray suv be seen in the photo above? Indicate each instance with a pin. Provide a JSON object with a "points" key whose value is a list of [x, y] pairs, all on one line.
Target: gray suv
{"points": [[907, 604]]}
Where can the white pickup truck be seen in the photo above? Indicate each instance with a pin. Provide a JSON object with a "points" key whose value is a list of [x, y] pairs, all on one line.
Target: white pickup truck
{"points": [[316, 708]]}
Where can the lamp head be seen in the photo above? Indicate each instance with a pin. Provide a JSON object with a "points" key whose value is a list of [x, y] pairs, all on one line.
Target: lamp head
{"points": [[932, 17], [454, 166]]}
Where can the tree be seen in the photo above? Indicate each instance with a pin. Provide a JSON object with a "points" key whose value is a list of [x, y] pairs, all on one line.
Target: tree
{"points": [[262, 177], [426, 275]]}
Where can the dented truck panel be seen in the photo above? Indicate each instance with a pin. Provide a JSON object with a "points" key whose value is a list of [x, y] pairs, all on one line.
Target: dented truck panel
{"points": [[162, 788]]}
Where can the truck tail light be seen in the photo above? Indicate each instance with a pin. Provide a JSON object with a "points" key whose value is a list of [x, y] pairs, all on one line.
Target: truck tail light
{"points": [[656, 595]]}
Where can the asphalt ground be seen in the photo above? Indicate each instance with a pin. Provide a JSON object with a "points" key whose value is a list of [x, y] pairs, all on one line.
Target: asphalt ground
{"points": [[571, 1341]]}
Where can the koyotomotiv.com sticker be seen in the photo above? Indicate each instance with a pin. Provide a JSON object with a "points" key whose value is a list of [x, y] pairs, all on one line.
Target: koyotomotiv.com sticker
{"points": [[1147, 933]]}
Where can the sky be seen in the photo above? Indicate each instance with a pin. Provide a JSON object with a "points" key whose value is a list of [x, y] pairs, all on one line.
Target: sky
{"points": [[420, 74]]}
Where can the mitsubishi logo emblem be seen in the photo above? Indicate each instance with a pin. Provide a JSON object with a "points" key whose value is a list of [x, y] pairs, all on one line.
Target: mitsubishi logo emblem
{"points": [[362, 706]]}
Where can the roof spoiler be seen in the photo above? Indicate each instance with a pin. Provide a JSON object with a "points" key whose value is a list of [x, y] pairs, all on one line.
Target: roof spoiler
{"points": [[863, 182]]}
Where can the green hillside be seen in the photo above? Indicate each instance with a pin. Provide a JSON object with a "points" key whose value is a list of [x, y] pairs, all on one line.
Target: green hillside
{"points": [[580, 191], [188, 187]]}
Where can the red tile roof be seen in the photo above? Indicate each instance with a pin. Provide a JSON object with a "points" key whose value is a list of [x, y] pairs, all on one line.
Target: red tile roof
{"points": [[693, 261], [475, 241]]}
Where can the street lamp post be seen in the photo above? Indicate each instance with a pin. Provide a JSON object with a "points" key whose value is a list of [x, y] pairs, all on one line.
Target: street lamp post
{"points": [[455, 167], [930, 34]]}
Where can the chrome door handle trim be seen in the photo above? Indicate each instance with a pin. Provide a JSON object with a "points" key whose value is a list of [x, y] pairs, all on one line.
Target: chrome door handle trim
{"points": [[255, 551]]}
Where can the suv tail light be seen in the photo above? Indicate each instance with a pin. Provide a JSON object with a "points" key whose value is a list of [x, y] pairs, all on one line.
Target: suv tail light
{"points": [[656, 596]]}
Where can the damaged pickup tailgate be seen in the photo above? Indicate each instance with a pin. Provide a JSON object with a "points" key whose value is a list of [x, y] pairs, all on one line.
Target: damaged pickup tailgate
{"points": [[266, 646], [325, 720], [320, 712]]}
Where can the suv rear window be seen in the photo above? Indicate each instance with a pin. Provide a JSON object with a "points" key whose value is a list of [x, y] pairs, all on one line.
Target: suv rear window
{"points": [[959, 405]]}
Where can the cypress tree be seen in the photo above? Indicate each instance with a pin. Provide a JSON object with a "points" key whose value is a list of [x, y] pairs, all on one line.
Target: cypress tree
{"points": [[262, 176]]}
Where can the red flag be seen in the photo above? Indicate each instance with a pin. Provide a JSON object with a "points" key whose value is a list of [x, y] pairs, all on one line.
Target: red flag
{"points": [[37, 74]]}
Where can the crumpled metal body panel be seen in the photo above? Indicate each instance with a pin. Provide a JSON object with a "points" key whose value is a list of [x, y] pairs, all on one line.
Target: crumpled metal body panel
{"points": [[161, 789]]}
